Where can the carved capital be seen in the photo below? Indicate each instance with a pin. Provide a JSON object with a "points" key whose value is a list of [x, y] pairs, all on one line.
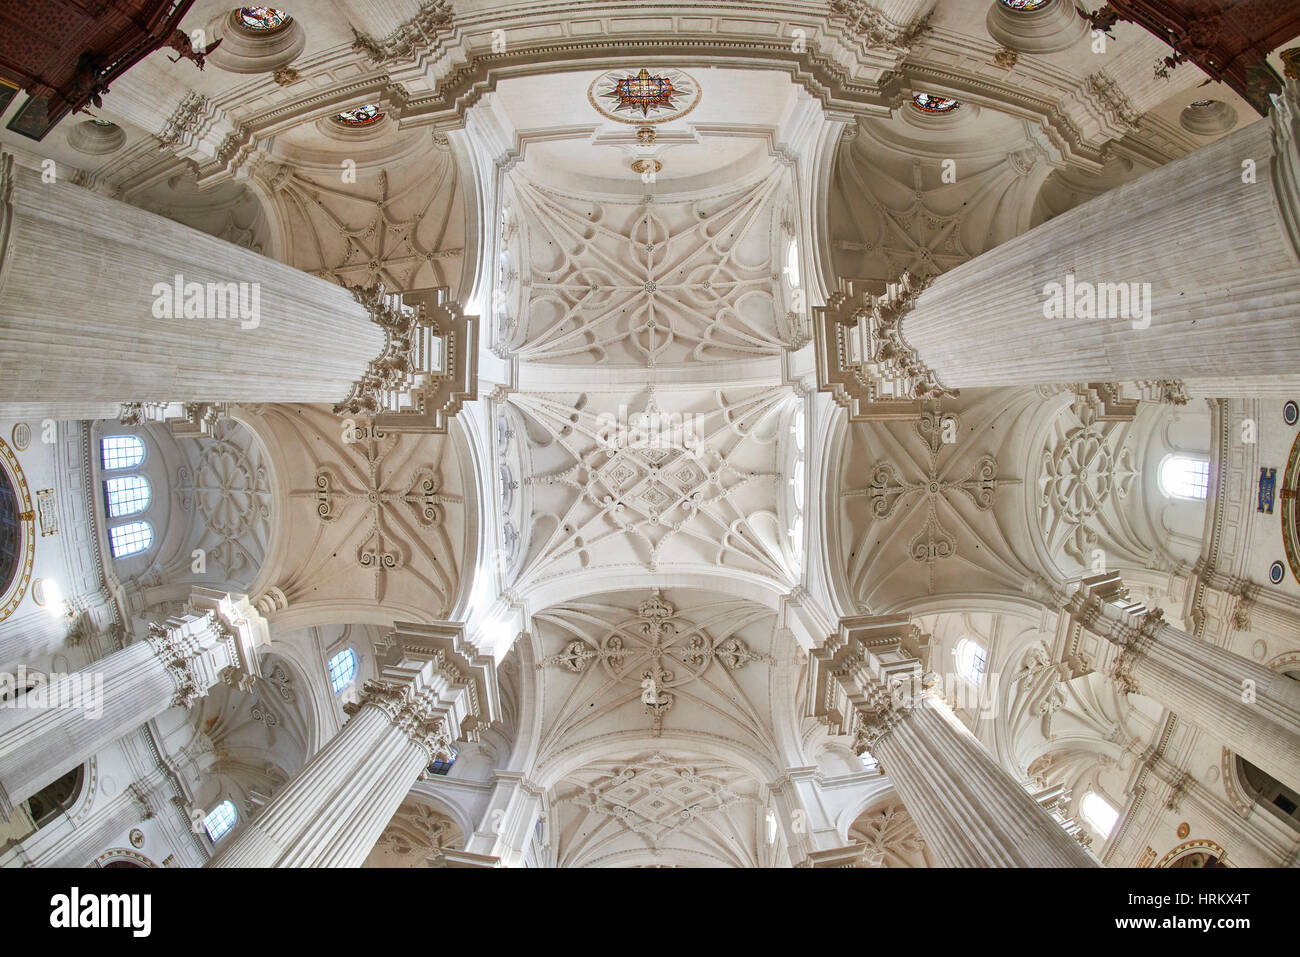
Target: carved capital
{"points": [[865, 679], [864, 361], [429, 364]]}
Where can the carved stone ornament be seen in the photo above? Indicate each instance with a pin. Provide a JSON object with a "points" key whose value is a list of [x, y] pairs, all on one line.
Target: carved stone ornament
{"points": [[403, 43], [871, 26], [863, 359], [866, 678], [417, 715], [429, 364], [639, 652]]}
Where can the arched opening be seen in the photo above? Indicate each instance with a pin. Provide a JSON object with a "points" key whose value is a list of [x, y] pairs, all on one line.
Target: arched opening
{"points": [[1270, 793], [971, 661], [1182, 476], [56, 797], [1099, 813]]}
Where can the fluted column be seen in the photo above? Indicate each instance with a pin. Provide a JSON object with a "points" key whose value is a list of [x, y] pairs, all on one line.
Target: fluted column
{"points": [[84, 307], [1188, 274], [1220, 256], [1252, 710], [866, 682], [432, 690], [49, 732], [25, 639]]}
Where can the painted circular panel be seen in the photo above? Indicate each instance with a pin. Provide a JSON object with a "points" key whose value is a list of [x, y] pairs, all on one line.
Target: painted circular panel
{"points": [[1291, 413], [644, 96], [1276, 572], [17, 532]]}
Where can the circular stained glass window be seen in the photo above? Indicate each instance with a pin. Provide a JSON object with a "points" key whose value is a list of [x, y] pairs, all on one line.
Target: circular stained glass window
{"points": [[929, 103], [105, 124], [361, 116], [1024, 4], [262, 19], [1200, 104]]}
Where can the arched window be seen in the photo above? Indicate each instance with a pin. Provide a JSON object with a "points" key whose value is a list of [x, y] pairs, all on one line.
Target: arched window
{"points": [[121, 452], [1099, 813], [970, 660], [130, 538], [343, 668], [55, 798], [1270, 793], [220, 820], [126, 495], [1184, 477], [869, 761], [792, 263]]}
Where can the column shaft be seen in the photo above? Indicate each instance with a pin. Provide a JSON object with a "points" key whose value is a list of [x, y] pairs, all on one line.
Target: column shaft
{"points": [[1254, 711], [81, 276], [970, 812], [38, 744], [1219, 255], [68, 718]]}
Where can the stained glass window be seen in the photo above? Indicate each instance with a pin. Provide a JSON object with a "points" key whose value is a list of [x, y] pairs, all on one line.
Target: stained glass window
{"points": [[1023, 4], [929, 103], [220, 820], [442, 767], [970, 660], [361, 116], [130, 538], [1201, 104], [106, 124], [643, 92], [126, 495], [343, 668], [262, 19], [121, 451], [1183, 477]]}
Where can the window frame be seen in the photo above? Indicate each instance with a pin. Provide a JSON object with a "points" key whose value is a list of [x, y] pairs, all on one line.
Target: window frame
{"points": [[338, 686], [1202, 468]]}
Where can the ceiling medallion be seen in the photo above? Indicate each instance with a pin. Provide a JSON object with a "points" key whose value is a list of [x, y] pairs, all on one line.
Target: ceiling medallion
{"points": [[646, 96]]}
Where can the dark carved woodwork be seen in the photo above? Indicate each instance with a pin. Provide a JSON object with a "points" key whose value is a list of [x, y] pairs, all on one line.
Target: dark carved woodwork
{"points": [[65, 53], [1230, 40]]}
